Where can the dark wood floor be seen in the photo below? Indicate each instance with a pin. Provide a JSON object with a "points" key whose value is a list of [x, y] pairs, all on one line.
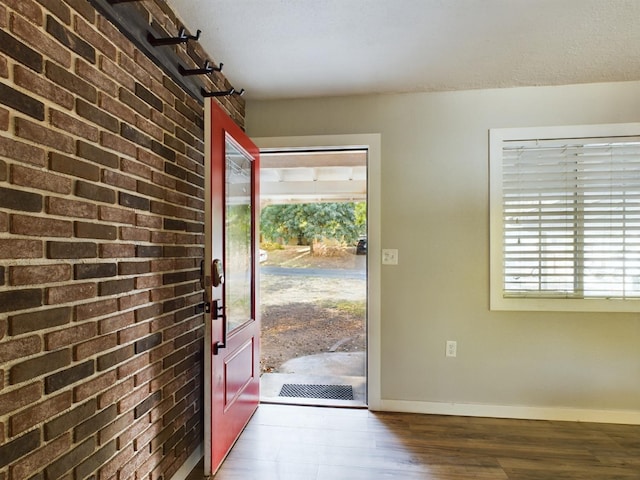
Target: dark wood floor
{"points": [[310, 443]]}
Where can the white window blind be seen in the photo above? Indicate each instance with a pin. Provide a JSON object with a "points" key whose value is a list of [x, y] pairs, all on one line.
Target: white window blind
{"points": [[569, 217]]}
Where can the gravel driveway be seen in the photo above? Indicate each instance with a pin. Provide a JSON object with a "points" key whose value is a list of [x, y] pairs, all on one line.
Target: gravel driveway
{"points": [[309, 314]]}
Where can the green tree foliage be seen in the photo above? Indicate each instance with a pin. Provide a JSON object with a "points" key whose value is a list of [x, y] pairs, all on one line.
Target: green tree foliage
{"points": [[361, 217], [307, 222]]}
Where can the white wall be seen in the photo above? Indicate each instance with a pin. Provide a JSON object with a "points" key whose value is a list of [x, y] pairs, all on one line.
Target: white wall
{"points": [[435, 211]]}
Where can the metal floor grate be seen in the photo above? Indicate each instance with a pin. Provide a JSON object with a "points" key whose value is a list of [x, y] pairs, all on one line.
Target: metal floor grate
{"points": [[333, 392]]}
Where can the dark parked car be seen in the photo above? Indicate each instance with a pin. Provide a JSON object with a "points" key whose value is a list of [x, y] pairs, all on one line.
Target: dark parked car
{"points": [[361, 247]]}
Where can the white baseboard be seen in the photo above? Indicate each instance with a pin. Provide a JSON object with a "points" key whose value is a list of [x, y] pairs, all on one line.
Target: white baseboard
{"points": [[190, 464], [629, 417]]}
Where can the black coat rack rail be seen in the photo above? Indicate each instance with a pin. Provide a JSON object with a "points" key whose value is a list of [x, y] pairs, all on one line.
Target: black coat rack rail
{"points": [[224, 93], [205, 70], [128, 18]]}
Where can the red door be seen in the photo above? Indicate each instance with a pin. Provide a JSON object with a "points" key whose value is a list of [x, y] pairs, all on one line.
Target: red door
{"points": [[232, 376]]}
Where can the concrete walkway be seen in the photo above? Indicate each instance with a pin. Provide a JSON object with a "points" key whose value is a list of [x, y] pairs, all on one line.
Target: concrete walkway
{"points": [[334, 368]]}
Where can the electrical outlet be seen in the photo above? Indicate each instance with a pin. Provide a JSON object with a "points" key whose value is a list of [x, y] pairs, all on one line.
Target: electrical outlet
{"points": [[452, 348], [389, 256]]}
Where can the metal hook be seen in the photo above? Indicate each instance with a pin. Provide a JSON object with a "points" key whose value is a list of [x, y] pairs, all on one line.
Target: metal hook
{"points": [[205, 70], [181, 38], [224, 93]]}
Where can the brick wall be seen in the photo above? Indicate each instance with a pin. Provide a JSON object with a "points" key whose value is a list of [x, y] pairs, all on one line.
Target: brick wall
{"points": [[101, 237]]}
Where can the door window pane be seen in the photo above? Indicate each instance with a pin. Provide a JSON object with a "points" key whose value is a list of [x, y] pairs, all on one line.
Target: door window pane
{"points": [[238, 251]]}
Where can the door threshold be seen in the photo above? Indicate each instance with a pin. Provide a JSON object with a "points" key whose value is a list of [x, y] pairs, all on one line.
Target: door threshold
{"points": [[272, 386], [308, 402]]}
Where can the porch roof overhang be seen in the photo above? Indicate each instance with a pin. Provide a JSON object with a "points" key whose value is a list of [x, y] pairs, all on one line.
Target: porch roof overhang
{"points": [[313, 177]]}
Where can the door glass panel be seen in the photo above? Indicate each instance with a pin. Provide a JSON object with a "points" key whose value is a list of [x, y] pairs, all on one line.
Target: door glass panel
{"points": [[238, 251]]}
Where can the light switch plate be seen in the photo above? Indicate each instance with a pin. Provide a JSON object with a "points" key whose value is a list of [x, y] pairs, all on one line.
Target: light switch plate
{"points": [[389, 256]]}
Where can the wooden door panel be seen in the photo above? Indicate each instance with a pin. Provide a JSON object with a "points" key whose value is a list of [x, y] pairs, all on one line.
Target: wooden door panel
{"points": [[239, 372]]}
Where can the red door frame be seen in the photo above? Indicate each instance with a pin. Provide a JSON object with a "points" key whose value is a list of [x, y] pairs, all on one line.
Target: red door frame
{"points": [[232, 377]]}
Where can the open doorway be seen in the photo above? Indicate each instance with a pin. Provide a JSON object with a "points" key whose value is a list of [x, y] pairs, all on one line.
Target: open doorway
{"points": [[314, 276]]}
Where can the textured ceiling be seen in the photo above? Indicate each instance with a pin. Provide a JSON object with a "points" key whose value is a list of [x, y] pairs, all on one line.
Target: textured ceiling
{"points": [[306, 48]]}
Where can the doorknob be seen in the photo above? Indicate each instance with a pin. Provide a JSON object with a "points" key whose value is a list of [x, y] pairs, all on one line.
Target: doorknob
{"points": [[218, 272], [218, 312]]}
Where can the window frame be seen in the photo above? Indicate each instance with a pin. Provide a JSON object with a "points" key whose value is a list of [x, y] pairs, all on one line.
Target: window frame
{"points": [[500, 301]]}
